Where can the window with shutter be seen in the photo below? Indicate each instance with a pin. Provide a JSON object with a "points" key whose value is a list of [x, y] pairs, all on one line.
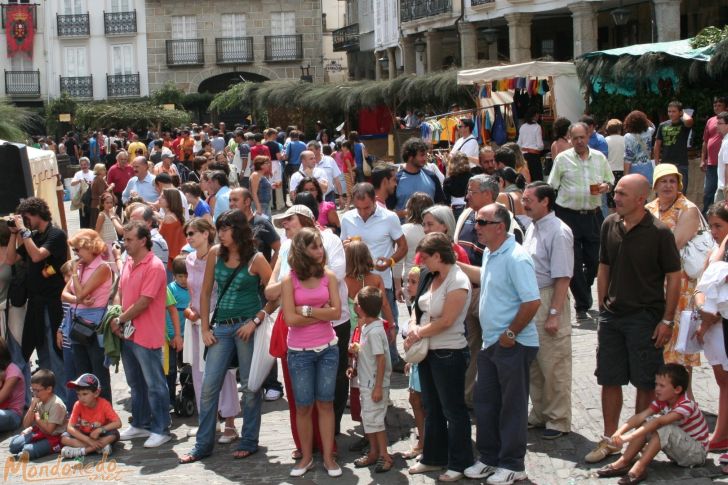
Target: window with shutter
{"points": [[121, 6], [122, 59], [75, 61], [73, 7]]}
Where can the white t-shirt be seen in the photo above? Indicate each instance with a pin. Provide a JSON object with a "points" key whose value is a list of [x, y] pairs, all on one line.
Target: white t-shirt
{"points": [[722, 162], [468, 145], [615, 156], [88, 176], [432, 305], [318, 173]]}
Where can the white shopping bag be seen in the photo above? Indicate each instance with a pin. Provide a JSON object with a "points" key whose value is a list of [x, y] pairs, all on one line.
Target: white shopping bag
{"points": [[687, 342], [262, 360]]}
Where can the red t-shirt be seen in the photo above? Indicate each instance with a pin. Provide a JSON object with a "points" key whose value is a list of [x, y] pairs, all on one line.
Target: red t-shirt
{"points": [[86, 419], [692, 422], [460, 254], [119, 177], [348, 158], [712, 136], [259, 150]]}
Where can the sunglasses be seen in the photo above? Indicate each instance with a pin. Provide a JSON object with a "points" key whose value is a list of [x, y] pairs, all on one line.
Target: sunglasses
{"points": [[483, 222], [190, 234]]}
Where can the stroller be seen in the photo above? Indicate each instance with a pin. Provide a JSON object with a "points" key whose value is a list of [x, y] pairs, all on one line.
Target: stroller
{"points": [[185, 404]]}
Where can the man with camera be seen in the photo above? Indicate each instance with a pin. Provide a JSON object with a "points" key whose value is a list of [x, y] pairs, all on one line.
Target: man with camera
{"points": [[44, 249]]}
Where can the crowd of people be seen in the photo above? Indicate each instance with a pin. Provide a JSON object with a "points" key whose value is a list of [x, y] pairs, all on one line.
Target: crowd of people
{"points": [[179, 261]]}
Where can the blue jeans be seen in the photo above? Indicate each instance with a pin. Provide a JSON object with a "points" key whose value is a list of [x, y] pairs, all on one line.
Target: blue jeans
{"points": [[50, 358], [710, 186], [313, 375], [149, 393], [395, 312], [9, 421], [16, 354], [219, 358], [447, 422], [36, 450]]}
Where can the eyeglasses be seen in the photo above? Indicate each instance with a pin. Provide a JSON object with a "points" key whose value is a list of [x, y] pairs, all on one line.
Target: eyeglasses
{"points": [[75, 250], [190, 234], [483, 222]]}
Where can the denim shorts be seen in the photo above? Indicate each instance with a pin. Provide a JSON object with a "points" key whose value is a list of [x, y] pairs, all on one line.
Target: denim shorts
{"points": [[313, 374]]}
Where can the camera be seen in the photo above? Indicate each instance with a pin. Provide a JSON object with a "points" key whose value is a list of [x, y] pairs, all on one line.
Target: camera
{"points": [[10, 221]]}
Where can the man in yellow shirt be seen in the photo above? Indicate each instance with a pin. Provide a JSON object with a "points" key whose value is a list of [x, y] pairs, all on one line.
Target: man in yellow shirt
{"points": [[137, 145]]}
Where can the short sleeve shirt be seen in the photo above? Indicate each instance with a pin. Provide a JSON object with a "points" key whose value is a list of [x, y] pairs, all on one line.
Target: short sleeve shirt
{"points": [[674, 139], [638, 261], [572, 176], [550, 243], [148, 278], [53, 412], [56, 242], [373, 342], [713, 138], [16, 401], [202, 208], [432, 304], [86, 419]]}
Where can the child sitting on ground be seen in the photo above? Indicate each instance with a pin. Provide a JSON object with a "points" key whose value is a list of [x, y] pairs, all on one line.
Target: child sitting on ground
{"points": [[44, 422], [12, 390], [680, 430], [93, 425], [373, 368]]}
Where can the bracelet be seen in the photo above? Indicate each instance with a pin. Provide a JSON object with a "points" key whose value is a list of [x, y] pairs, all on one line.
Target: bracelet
{"points": [[392, 262], [307, 311], [668, 323]]}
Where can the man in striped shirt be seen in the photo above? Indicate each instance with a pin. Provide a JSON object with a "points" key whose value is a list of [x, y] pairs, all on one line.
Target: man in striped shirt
{"points": [[679, 430]]}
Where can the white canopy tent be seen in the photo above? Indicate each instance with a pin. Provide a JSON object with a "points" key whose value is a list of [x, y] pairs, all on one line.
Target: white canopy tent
{"points": [[568, 100]]}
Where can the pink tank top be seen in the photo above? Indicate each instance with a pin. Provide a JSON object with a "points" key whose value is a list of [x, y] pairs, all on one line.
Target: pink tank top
{"points": [[102, 292], [315, 334]]}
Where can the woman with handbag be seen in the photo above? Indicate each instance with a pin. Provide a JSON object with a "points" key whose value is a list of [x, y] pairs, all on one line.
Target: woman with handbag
{"points": [[88, 293], [713, 331], [240, 272], [439, 320], [683, 218]]}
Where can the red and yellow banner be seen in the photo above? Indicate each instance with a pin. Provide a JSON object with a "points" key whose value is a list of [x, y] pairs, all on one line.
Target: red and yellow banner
{"points": [[19, 29]]}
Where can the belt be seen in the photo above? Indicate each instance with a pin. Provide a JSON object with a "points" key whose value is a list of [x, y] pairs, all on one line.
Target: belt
{"points": [[231, 321], [585, 212], [320, 348]]}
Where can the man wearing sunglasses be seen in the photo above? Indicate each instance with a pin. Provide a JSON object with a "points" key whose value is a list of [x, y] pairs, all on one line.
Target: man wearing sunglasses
{"points": [[467, 143]]}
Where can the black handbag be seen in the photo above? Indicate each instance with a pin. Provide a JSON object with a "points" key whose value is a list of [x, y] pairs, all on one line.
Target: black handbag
{"points": [[18, 289], [83, 331]]}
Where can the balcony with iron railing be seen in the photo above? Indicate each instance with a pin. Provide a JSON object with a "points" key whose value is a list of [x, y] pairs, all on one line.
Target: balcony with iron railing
{"points": [[346, 39], [234, 50], [478, 3], [185, 52], [22, 83], [76, 25], [78, 86], [122, 85], [281, 48], [120, 23], [410, 10]]}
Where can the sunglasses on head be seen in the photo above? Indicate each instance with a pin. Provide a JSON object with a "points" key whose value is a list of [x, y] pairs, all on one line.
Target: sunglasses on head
{"points": [[483, 222]]}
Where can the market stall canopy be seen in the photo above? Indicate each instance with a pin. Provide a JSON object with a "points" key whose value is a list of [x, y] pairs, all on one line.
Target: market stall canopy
{"points": [[677, 48], [569, 99]]}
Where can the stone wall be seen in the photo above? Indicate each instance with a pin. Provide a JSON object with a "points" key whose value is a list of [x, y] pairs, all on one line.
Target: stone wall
{"points": [[209, 26]]}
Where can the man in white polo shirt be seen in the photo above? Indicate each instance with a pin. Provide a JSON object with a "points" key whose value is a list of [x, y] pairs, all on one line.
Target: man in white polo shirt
{"points": [[308, 169], [380, 230]]}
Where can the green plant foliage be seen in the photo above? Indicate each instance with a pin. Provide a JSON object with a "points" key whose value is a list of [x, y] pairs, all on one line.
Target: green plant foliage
{"points": [[14, 122], [709, 36], [169, 93], [139, 115], [62, 105]]}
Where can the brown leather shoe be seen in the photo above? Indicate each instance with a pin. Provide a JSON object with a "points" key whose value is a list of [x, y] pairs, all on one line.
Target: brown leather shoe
{"points": [[610, 471], [631, 479]]}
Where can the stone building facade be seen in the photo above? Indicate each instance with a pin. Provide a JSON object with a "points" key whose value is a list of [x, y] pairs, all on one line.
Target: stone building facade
{"points": [[207, 45]]}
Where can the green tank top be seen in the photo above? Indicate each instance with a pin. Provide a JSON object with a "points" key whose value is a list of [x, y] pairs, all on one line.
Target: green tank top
{"points": [[242, 298]]}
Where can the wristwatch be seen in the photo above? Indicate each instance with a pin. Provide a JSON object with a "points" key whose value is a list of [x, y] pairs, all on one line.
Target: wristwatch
{"points": [[510, 334], [256, 320], [668, 323], [553, 312], [26, 234]]}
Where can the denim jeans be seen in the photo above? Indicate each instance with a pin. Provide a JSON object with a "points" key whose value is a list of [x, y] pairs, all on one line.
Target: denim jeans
{"points": [[16, 355], [313, 375], [219, 357], [49, 357], [501, 405], [90, 358], [149, 393], [9, 421], [447, 422], [393, 354], [684, 171], [36, 450], [710, 186]]}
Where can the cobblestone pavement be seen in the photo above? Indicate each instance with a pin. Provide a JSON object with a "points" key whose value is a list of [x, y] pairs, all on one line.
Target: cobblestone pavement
{"points": [[558, 462]]}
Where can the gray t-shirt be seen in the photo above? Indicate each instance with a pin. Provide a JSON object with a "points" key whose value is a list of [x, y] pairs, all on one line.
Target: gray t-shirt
{"points": [[432, 304], [373, 342]]}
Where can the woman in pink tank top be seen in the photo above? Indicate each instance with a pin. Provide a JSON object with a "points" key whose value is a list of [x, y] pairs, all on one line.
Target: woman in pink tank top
{"points": [[310, 300]]}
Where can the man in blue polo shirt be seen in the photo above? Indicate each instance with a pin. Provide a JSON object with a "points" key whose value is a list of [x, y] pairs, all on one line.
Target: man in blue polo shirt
{"points": [[509, 300], [414, 178], [142, 184]]}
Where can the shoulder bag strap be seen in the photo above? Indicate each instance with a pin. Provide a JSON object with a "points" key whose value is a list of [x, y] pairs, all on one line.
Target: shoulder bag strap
{"points": [[428, 277], [511, 204], [224, 289]]}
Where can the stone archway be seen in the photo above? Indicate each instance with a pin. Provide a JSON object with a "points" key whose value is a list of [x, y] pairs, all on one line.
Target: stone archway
{"points": [[255, 71]]}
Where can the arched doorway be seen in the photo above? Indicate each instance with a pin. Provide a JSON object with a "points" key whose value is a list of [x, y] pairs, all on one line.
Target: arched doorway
{"points": [[222, 82]]}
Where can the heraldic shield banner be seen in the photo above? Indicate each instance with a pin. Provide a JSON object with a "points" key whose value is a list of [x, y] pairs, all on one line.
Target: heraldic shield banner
{"points": [[19, 29]]}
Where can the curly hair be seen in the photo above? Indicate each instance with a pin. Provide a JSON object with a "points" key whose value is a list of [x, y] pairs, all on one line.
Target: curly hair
{"points": [[412, 147], [310, 180], [34, 206], [298, 259], [242, 235], [458, 164], [636, 122], [359, 261], [88, 239], [416, 204]]}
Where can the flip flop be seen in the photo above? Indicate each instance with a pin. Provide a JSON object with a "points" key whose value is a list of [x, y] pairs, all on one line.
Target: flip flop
{"points": [[188, 458], [242, 454], [383, 465]]}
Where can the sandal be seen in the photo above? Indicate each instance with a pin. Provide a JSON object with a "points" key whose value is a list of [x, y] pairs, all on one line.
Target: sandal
{"points": [[241, 454], [413, 452], [365, 461], [383, 465], [188, 458], [296, 454]]}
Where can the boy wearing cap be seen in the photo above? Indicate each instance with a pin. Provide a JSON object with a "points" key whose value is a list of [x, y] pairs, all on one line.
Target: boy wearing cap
{"points": [[93, 425]]}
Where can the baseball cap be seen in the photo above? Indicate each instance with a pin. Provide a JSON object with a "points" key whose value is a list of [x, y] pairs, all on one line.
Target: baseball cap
{"points": [[299, 209], [85, 381]]}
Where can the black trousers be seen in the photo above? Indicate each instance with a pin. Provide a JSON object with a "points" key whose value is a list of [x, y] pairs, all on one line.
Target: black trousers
{"points": [[534, 166], [343, 333], [585, 227]]}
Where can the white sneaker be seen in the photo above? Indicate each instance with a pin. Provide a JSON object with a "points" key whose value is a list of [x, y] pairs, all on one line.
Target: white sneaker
{"points": [[479, 470], [504, 476], [192, 432], [273, 395], [71, 452], [155, 440], [131, 432], [106, 450]]}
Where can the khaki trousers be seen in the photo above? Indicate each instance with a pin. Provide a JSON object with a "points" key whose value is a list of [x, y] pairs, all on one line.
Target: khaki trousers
{"points": [[550, 379], [474, 337]]}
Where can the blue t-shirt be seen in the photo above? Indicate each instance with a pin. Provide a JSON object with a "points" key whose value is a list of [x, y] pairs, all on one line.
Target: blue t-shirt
{"points": [[182, 295], [359, 155], [507, 280], [293, 152], [202, 208], [599, 143], [422, 181]]}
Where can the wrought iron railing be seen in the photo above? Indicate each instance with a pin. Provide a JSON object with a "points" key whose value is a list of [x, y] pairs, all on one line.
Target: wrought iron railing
{"points": [[22, 83], [76, 25], [475, 3], [78, 86], [346, 38], [120, 23], [283, 48], [122, 85], [410, 10], [185, 52], [234, 50]]}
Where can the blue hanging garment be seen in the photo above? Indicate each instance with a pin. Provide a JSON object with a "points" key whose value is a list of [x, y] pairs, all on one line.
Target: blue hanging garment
{"points": [[499, 133]]}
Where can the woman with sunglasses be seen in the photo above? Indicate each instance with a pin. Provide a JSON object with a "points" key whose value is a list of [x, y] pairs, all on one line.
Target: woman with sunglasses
{"points": [[240, 272]]}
